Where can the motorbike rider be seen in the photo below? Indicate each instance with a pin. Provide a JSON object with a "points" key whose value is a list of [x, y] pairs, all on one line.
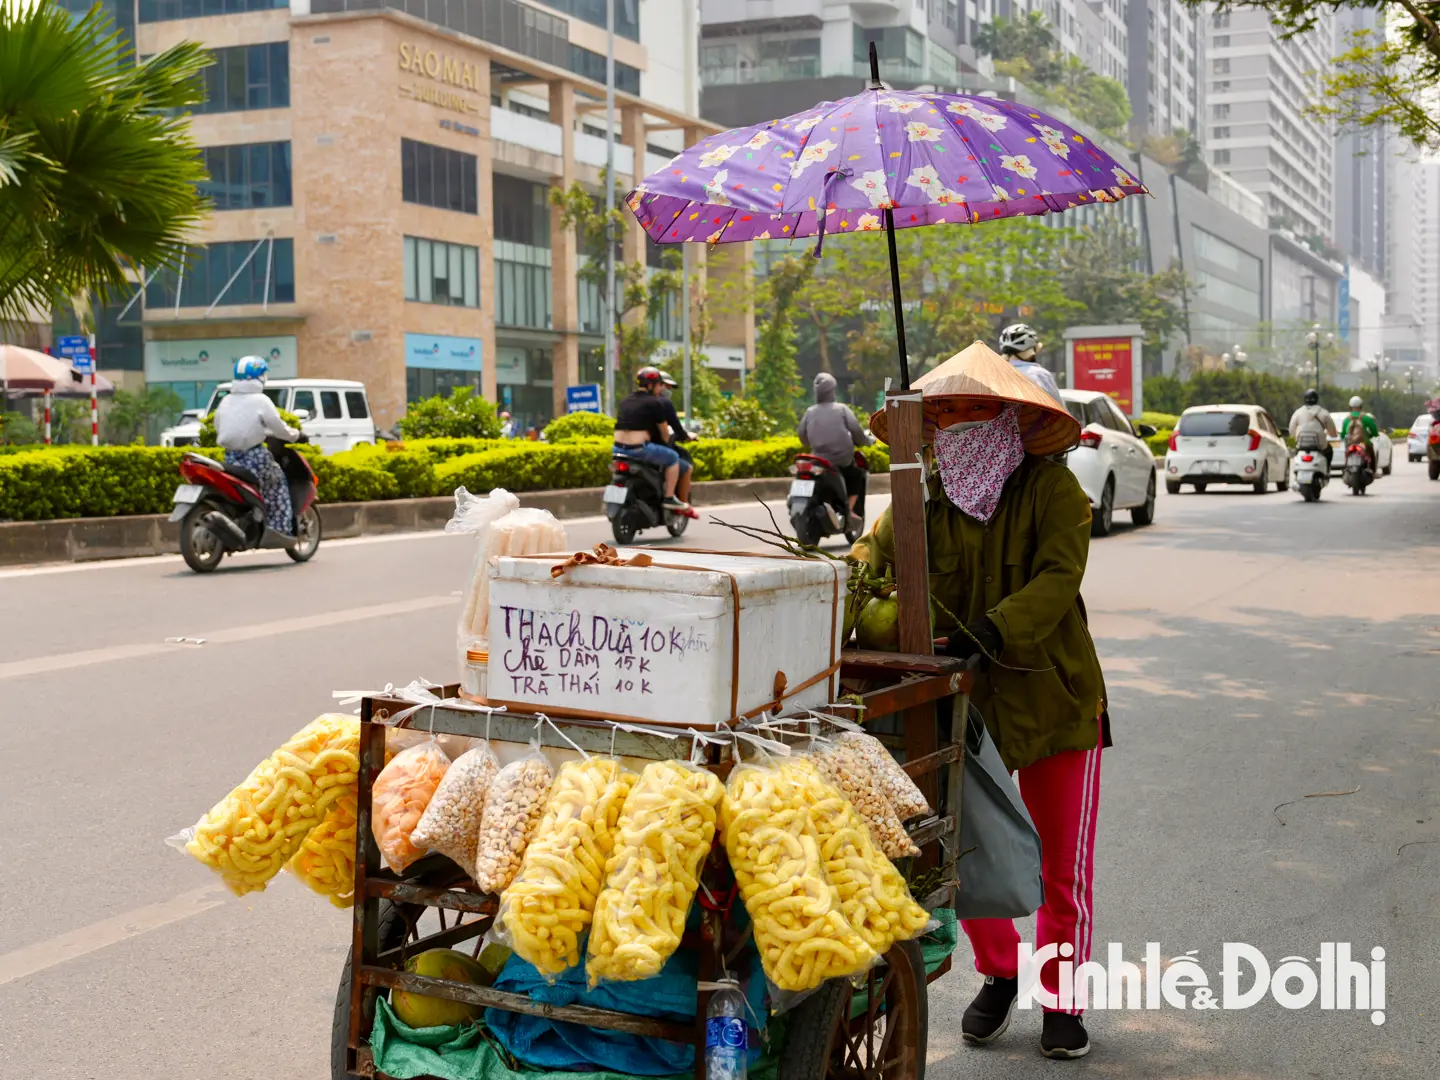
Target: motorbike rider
{"points": [[1020, 344], [1317, 426], [642, 433], [1358, 428], [678, 436], [242, 421], [830, 430]]}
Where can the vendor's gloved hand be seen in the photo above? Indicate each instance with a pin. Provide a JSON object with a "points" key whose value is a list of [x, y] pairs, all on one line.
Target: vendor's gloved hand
{"points": [[963, 645]]}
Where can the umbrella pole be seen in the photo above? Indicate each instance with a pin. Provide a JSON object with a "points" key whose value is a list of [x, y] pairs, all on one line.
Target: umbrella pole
{"points": [[895, 296]]}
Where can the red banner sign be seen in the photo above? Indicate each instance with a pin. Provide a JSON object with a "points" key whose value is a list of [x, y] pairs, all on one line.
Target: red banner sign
{"points": [[1107, 365]]}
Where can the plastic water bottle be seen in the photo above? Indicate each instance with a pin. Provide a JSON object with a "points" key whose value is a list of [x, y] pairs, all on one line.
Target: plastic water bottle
{"points": [[725, 1032]]}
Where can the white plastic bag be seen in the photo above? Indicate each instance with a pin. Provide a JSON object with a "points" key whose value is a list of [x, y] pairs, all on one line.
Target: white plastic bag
{"points": [[475, 514]]}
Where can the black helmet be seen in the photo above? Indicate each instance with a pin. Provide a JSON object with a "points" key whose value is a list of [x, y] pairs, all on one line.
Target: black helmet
{"points": [[1312, 397], [648, 376]]}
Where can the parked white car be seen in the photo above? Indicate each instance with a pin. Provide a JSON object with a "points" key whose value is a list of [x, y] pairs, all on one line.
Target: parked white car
{"points": [[1112, 461], [335, 413], [1415, 441], [1227, 444]]}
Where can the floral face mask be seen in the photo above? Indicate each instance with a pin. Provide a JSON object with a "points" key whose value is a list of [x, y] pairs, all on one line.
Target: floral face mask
{"points": [[974, 463]]}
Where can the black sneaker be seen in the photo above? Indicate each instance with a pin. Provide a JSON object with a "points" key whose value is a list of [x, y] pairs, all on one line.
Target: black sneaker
{"points": [[989, 1014], [1063, 1036], [672, 503]]}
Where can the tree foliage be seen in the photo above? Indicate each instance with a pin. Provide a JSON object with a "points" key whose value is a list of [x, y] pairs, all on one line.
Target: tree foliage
{"points": [[98, 169], [775, 382], [1277, 394], [1381, 77], [463, 414], [1098, 271], [133, 412], [1025, 49]]}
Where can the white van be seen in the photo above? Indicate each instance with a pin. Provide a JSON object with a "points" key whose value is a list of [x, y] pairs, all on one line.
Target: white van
{"points": [[335, 413]]}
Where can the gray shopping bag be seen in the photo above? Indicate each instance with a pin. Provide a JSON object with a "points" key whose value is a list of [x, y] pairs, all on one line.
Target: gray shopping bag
{"points": [[999, 873]]}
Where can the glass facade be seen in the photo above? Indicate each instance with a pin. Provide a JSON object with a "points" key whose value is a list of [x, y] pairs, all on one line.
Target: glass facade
{"points": [[627, 14], [513, 25], [247, 176], [247, 77], [768, 59], [121, 12], [118, 347], [208, 268], [164, 10], [438, 176], [522, 253], [437, 272]]}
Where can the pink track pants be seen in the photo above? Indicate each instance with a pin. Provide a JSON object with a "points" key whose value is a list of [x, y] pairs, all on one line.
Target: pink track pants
{"points": [[1062, 793]]}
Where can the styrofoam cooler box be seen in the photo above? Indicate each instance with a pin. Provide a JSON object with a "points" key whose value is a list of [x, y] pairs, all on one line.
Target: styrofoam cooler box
{"points": [[663, 643]]}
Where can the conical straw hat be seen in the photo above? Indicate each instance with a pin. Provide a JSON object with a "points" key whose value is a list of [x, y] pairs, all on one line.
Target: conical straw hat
{"points": [[980, 373]]}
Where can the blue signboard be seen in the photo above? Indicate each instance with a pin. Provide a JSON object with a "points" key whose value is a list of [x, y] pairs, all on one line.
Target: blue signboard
{"points": [[76, 349], [583, 398], [442, 352]]}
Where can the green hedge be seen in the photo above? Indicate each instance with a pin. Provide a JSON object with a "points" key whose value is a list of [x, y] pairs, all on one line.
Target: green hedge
{"points": [[66, 482]]}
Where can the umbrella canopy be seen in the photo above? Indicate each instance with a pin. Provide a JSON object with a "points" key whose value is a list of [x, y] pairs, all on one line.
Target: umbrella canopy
{"points": [[81, 389], [979, 373], [930, 158], [25, 369]]}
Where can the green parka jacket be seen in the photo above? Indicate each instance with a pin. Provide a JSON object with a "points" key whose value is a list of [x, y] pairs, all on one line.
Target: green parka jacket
{"points": [[1023, 570]]}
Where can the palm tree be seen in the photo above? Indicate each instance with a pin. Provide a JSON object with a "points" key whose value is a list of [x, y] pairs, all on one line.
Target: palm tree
{"points": [[98, 171]]}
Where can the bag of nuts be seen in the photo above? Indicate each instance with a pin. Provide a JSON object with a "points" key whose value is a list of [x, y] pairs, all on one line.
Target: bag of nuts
{"points": [[451, 823], [844, 766], [513, 808], [895, 784]]}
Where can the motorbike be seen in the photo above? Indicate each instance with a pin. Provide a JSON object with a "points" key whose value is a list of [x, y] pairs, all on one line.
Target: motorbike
{"points": [[634, 500], [1359, 470], [1432, 446], [818, 503], [1309, 470], [221, 510]]}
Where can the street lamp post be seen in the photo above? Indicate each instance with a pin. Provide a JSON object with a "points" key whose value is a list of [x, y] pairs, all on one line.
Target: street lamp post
{"points": [[1377, 365], [1313, 339]]}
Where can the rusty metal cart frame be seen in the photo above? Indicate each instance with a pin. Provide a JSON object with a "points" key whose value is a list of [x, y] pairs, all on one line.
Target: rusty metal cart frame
{"points": [[905, 686]]}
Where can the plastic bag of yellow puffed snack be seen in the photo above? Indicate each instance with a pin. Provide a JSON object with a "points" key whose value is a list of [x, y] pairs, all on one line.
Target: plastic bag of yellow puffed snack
{"points": [[325, 862], [665, 832], [874, 897], [843, 765], [249, 836], [401, 793], [799, 925], [548, 906]]}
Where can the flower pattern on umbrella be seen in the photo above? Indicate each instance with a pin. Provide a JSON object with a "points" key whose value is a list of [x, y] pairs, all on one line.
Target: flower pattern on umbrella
{"points": [[929, 158]]}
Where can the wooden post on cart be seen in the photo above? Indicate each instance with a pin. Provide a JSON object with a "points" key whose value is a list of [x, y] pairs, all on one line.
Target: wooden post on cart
{"points": [[912, 577]]}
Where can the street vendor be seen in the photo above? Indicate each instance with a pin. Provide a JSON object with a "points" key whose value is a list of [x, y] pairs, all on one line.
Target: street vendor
{"points": [[1008, 532]]}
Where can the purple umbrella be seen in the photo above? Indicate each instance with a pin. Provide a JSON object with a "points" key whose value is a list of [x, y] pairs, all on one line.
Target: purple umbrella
{"points": [[886, 159]]}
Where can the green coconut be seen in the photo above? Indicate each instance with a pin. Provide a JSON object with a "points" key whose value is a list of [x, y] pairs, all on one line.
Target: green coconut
{"points": [[878, 626], [423, 1011]]}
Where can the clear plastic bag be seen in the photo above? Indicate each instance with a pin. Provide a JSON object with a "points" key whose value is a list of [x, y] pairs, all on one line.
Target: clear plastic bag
{"points": [[843, 765], [666, 829], [451, 822], [249, 836], [895, 784], [402, 791], [874, 897], [475, 514], [799, 926], [513, 808], [325, 862], [548, 906]]}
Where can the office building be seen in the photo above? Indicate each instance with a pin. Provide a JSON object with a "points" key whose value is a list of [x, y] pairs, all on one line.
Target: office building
{"points": [[1257, 127], [1166, 65], [756, 67], [1361, 162], [1414, 260], [381, 185]]}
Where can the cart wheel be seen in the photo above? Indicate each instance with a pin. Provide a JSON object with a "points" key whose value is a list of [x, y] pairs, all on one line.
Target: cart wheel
{"points": [[884, 1042], [396, 923]]}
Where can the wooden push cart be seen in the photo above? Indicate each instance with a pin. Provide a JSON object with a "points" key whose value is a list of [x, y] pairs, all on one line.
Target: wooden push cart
{"points": [[914, 703]]}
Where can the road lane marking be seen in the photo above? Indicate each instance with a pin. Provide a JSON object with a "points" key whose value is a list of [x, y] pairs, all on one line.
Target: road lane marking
{"points": [[40, 665], [87, 939]]}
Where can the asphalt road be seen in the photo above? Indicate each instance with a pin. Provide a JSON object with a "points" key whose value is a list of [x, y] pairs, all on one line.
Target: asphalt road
{"points": [[1258, 650]]}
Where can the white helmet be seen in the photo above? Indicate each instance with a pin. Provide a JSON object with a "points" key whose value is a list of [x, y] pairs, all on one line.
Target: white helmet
{"points": [[1018, 338], [1355, 403]]}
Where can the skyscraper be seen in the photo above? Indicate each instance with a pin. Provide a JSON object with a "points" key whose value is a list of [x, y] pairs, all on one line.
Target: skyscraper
{"points": [[1166, 84], [1361, 166], [1258, 130], [1414, 257]]}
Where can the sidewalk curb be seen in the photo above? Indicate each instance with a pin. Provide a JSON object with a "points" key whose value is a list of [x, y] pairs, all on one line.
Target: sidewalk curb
{"points": [[90, 539]]}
